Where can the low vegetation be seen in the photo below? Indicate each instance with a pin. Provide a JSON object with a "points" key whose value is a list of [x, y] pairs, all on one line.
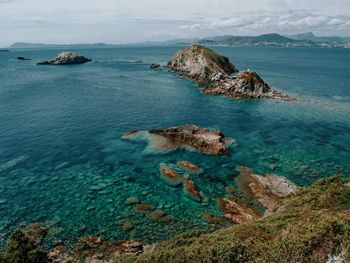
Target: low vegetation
{"points": [[313, 225]]}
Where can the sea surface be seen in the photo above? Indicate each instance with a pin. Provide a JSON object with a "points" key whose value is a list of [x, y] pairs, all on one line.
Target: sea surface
{"points": [[63, 162]]}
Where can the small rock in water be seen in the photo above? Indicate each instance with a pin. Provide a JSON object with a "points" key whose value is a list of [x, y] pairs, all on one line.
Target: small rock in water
{"points": [[127, 226], [132, 201]]}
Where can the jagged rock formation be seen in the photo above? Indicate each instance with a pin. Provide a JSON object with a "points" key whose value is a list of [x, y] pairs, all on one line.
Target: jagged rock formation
{"points": [[207, 67], [66, 58], [245, 85], [201, 139], [200, 63]]}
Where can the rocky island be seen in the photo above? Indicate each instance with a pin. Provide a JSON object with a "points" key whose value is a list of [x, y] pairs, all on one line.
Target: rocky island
{"points": [[201, 139], [213, 71], [66, 58]]}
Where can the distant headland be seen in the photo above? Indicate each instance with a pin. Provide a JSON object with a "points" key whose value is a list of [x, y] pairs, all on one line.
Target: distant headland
{"points": [[275, 40]]}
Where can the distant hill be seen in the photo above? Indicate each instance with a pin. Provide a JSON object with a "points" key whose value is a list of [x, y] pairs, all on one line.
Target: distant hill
{"points": [[299, 40], [311, 37], [42, 45]]}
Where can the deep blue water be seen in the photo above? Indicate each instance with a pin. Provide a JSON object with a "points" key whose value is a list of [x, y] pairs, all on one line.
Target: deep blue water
{"points": [[60, 133]]}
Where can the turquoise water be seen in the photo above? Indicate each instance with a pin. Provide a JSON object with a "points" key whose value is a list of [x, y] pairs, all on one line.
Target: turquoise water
{"points": [[62, 161]]}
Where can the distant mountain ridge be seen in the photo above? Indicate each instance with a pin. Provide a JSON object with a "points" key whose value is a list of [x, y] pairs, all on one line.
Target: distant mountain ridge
{"points": [[300, 40], [43, 45]]}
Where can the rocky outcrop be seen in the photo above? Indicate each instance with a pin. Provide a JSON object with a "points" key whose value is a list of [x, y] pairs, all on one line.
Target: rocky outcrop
{"points": [[245, 85], [95, 250], [201, 139], [235, 212], [200, 64], [66, 58], [268, 189], [207, 67], [154, 66]]}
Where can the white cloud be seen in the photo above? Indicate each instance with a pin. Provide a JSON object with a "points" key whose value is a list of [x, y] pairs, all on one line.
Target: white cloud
{"points": [[120, 21]]}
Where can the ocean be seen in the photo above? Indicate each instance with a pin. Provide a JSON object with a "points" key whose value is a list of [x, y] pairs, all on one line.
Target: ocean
{"points": [[63, 162]]}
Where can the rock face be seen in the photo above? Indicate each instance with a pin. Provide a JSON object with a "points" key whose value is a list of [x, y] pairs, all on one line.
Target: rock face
{"points": [[235, 212], [207, 67], [244, 85], [66, 58], [201, 139], [267, 189], [200, 63]]}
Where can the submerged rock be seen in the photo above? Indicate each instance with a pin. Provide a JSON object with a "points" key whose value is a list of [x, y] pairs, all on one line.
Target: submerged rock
{"points": [[191, 191], [132, 201], [200, 63], [66, 58], [201, 139], [170, 175], [268, 189], [190, 167]]}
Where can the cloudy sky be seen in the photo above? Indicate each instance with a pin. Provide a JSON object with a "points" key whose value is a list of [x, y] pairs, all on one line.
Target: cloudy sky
{"points": [[125, 21]]}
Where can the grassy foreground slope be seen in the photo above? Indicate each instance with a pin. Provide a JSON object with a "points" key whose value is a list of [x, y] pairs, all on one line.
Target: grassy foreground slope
{"points": [[313, 225]]}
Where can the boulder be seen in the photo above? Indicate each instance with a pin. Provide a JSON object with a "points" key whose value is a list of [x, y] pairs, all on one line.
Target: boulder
{"points": [[66, 58], [201, 139]]}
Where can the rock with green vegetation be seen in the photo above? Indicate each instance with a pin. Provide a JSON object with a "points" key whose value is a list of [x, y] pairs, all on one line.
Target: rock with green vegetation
{"points": [[212, 70], [25, 246], [201, 64], [313, 226]]}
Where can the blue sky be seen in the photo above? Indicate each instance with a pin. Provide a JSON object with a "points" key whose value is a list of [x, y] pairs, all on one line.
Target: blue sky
{"points": [[117, 21]]}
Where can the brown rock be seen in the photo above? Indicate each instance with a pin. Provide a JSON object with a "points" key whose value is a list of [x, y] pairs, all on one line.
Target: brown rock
{"points": [[212, 219], [191, 191], [170, 175], [201, 139], [235, 212], [190, 167], [160, 216], [267, 189], [143, 208]]}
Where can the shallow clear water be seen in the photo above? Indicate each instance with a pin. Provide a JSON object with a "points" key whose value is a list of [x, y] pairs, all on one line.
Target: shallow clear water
{"points": [[62, 160]]}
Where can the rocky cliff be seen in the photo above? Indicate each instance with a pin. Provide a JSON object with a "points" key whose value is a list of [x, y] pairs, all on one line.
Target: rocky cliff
{"points": [[201, 64]]}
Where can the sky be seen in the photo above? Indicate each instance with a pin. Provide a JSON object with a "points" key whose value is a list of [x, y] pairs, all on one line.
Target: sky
{"points": [[129, 21]]}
